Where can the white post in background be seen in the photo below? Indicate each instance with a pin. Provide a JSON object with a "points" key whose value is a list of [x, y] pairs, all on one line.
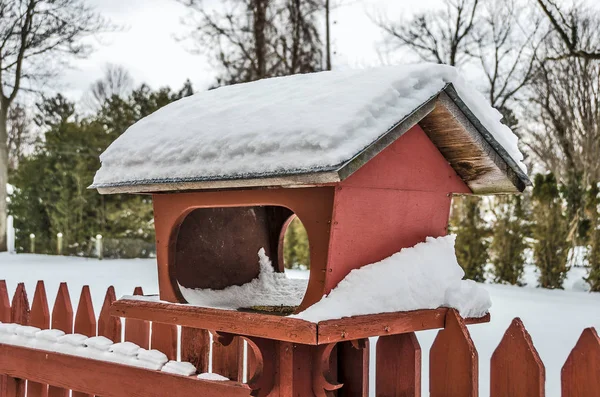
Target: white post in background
{"points": [[99, 245], [59, 243], [10, 234], [32, 243]]}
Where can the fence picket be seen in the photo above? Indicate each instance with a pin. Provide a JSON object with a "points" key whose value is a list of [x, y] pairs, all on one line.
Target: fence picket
{"points": [[109, 326], [398, 366], [138, 331], [85, 322], [19, 313], [40, 317], [580, 376], [516, 367], [228, 360], [353, 368], [453, 361], [5, 318], [195, 347], [62, 319], [164, 338]]}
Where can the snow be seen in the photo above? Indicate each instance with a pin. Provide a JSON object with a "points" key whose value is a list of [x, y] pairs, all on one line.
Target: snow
{"points": [[554, 318], [425, 276], [269, 289], [213, 377], [284, 125]]}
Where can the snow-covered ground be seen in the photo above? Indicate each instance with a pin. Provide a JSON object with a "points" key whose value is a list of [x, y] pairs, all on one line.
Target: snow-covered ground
{"points": [[554, 319]]}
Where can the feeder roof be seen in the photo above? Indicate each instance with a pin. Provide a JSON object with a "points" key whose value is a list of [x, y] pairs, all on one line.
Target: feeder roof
{"points": [[311, 129]]}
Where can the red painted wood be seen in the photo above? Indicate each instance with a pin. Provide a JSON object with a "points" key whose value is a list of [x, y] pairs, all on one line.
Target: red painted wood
{"points": [[85, 318], [19, 314], [138, 331], [85, 322], [581, 372], [62, 319], [40, 317], [353, 368], [516, 367], [164, 338], [109, 326], [453, 361], [107, 379], [195, 347], [412, 162], [5, 318], [398, 366], [396, 200], [4, 303], [228, 360]]}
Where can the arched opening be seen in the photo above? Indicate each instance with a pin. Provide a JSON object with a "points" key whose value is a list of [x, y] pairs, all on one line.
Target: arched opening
{"points": [[232, 257], [296, 248]]}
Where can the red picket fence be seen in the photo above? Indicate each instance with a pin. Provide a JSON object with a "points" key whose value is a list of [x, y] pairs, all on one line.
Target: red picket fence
{"points": [[516, 368]]}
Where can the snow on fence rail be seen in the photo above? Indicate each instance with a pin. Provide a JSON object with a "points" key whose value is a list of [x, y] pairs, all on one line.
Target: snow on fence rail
{"points": [[516, 368]]}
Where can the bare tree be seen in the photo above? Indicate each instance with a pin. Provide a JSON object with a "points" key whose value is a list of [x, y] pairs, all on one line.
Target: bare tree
{"points": [[20, 134], [444, 36], [32, 35], [253, 39], [117, 81], [568, 25]]}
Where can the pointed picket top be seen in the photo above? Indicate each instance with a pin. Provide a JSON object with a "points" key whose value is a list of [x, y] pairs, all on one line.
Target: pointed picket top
{"points": [[581, 372], [20, 306], [453, 362], [109, 326], [4, 303], [138, 331], [85, 319], [516, 367], [62, 313], [40, 312]]}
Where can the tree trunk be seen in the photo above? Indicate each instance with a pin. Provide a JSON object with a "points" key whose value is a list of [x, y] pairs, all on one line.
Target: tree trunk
{"points": [[260, 22], [3, 177]]}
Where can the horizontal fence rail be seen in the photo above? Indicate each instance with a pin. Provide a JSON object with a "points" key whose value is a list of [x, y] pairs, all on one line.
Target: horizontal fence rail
{"points": [[341, 366]]}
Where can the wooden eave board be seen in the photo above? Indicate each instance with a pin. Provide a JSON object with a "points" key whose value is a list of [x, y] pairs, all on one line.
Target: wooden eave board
{"points": [[284, 328]]}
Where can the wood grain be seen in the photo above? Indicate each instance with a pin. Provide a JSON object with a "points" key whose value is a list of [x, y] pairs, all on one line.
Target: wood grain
{"points": [[62, 319], [40, 317], [516, 367], [581, 372], [353, 368], [107, 379], [453, 361], [357, 327], [238, 323], [398, 367], [85, 322], [109, 326], [20, 314], [138, 331]]}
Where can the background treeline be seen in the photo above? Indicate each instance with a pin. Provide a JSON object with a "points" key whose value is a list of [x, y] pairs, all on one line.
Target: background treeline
{"points": [[538, 63]]}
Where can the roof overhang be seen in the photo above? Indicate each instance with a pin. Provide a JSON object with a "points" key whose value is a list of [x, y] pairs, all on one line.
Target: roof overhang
{"points": [[467, 145]]}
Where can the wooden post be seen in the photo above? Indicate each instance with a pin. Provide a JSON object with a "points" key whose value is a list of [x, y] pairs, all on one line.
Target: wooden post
{"points": [[40, 317], [85, 322], [353, 368], [453, 361], [195, 347], [227, 360], [516, 367], [62, 319], [581, 372], [5, 317], [138, 331], [109, 326], [20, 314], [398, 366]]}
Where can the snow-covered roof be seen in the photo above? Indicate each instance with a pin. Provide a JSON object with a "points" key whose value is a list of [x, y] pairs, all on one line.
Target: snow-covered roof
{"points": [[306, 129]]}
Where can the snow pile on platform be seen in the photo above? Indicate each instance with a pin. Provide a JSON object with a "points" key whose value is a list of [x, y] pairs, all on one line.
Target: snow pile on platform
{"points": [[96, 348], [425, 276], [269, 289], [284, 125]]}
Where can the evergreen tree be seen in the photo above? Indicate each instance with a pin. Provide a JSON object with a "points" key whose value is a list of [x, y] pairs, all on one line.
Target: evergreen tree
{"points": [[550, 230], [593, 254], [508, 244], [471, 245], [296, 250]]}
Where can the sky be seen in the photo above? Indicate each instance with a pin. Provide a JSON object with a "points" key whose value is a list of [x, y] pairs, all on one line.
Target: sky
{"points": [[146, 43]]}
